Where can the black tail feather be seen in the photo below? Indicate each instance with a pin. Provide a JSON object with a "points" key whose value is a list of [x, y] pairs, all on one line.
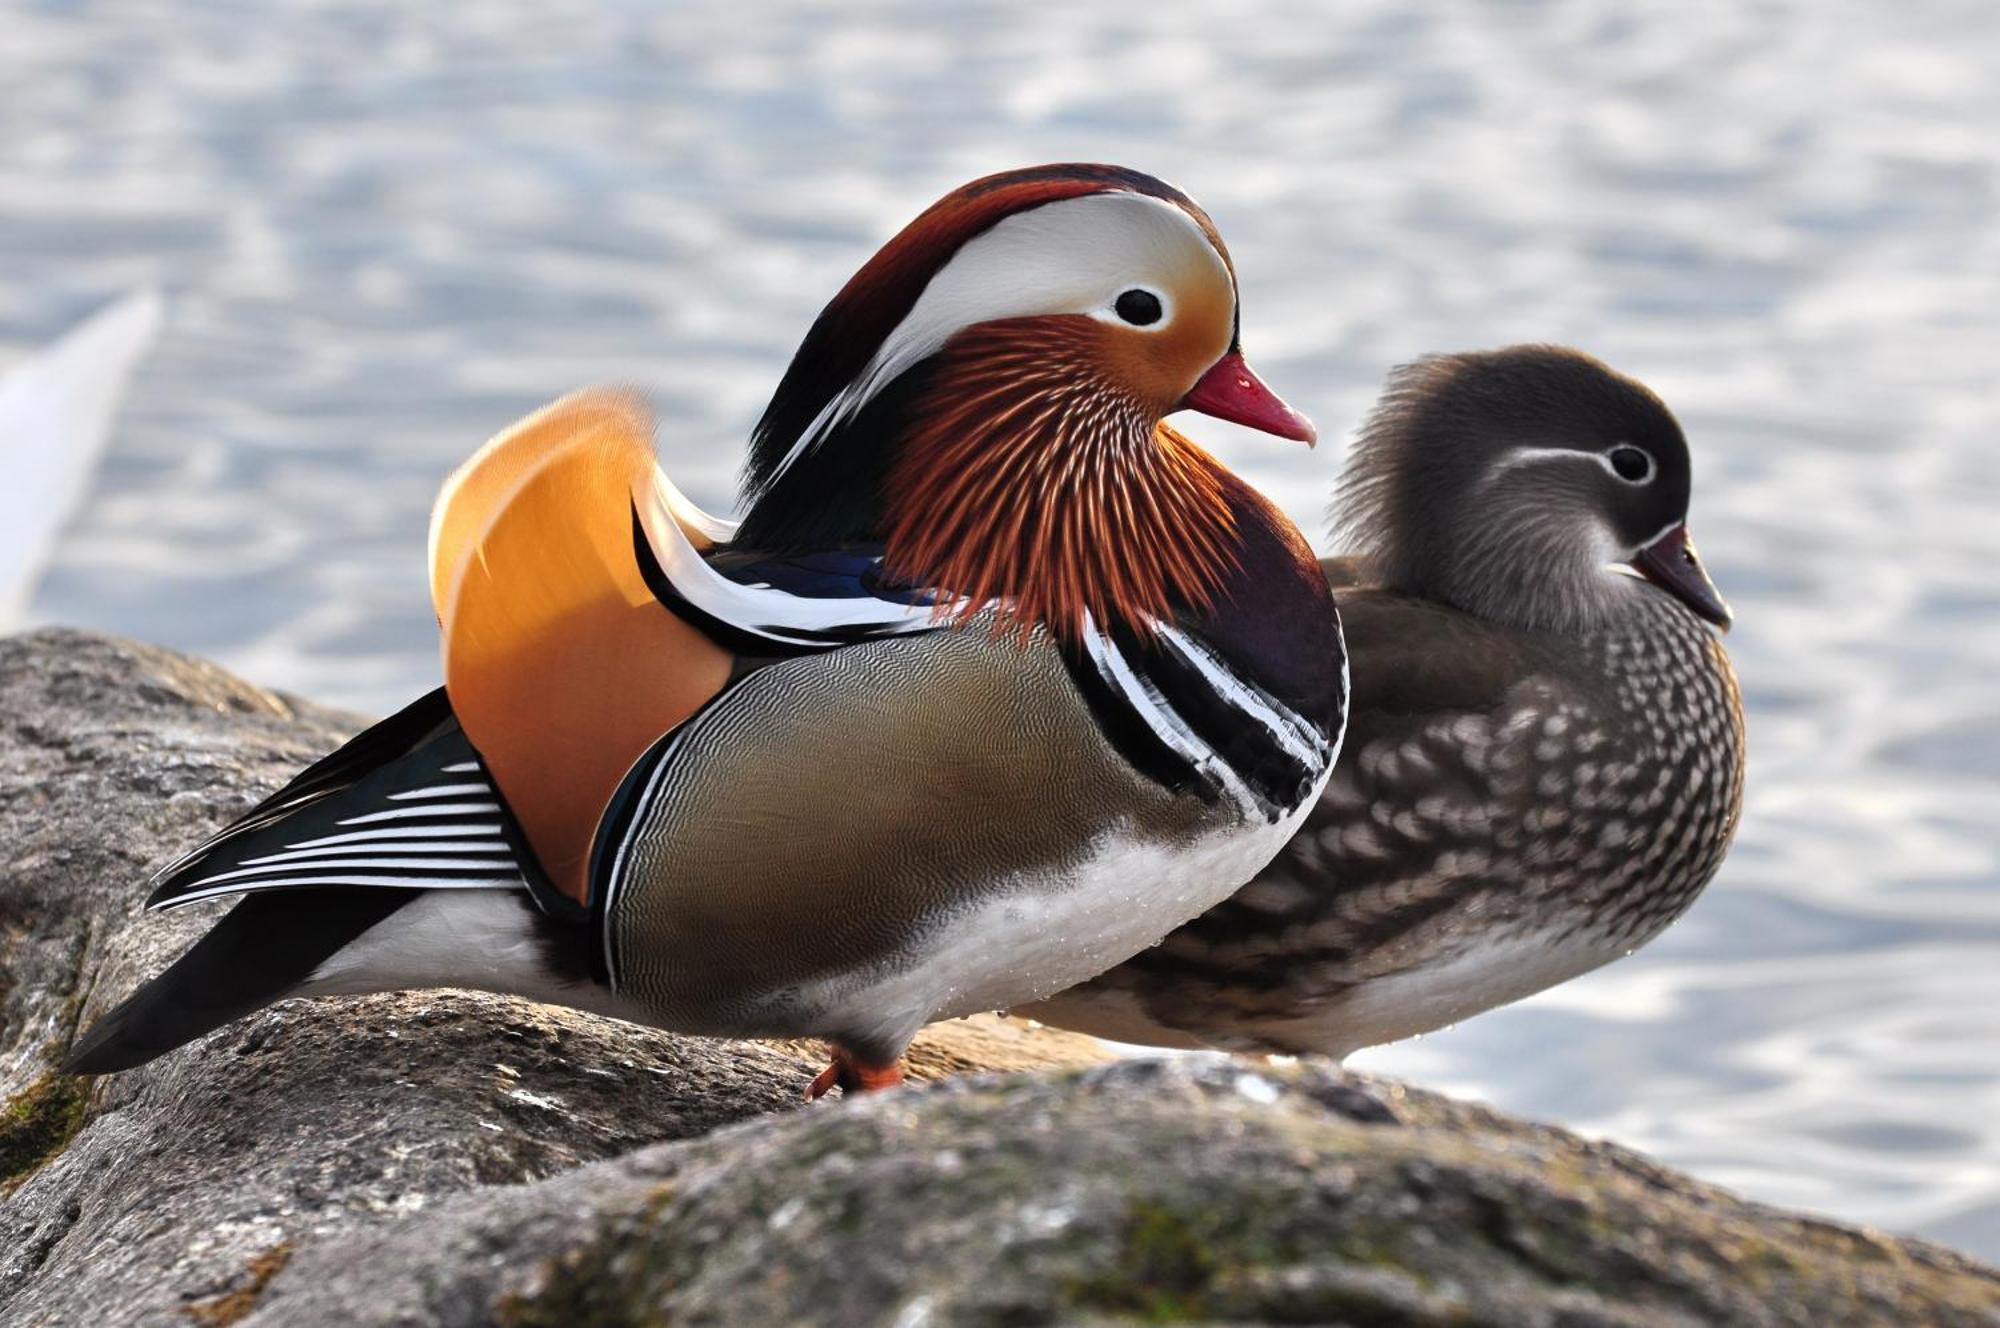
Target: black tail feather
{"points": [[376, 746], [406, 804], [261, 950]]}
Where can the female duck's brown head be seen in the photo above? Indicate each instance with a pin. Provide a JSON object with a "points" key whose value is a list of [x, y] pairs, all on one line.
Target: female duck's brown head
{"points": [[985, 399], [1531, 485]]}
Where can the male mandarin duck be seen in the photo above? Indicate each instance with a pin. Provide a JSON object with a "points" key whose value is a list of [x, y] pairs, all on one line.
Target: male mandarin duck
{"points": [[998, 680], [1544, 758]]}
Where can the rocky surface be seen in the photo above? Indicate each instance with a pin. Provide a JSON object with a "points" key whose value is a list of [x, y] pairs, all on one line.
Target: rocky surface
{"points": [[450, 1158]]}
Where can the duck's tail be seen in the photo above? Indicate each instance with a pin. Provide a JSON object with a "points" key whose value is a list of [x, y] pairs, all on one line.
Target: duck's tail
{"points": [[450, 845], [391, 863]]}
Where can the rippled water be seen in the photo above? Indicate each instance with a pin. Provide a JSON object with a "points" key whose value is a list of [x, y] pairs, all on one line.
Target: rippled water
{"points": [[387, 233]]}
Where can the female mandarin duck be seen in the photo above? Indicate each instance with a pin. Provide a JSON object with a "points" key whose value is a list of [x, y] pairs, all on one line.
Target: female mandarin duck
{"points": [[1544, 759], [998, 680]]}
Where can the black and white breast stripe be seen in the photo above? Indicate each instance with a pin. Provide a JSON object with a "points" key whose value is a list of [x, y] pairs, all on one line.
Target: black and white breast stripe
{"points": [[1181, 714], [433, 822]]}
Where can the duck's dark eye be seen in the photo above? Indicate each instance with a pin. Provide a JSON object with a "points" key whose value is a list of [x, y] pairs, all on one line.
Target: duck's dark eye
{"points": [[1631, 464], [1141, 308]]}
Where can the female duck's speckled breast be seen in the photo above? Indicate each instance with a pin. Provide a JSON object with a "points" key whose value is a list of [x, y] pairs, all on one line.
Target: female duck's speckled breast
{"points": [[1664, 807], [1458, 860]]}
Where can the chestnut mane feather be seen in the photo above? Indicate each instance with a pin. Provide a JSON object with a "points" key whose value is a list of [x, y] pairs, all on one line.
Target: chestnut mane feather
{"points": [[1030, 484]]}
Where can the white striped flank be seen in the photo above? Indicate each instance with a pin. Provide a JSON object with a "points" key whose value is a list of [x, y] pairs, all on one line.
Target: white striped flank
{"points": [[487, 829], [458, 846], [472, 857], [334, 865], [385, 881], [439, 809], [428, 844], [441, 791], [280, 811], [267, 816], [446, 835]]}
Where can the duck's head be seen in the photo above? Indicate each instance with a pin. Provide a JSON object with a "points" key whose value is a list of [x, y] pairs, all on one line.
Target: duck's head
{"points": [[1527, 485], [985, 397]]}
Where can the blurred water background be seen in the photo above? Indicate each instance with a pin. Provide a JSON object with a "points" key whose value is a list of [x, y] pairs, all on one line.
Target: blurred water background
{"points": [[387, 230]]}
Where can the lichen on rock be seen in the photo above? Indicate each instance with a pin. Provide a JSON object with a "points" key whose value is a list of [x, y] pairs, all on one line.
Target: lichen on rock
{"points": [[37, 1123]]}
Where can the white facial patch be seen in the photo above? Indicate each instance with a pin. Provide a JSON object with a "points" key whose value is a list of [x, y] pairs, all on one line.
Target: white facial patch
{"points": [[1623, 557], [1527, 456], [1073, 256], [1612, 555], [1522, 456]]}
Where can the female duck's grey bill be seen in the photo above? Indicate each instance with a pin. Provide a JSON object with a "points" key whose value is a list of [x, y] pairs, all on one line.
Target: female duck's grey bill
{"points": [[1670, 563]]}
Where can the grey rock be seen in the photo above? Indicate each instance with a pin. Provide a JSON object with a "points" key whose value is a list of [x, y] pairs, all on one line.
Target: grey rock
{"points": [[450, 1158], [291, 1127]]}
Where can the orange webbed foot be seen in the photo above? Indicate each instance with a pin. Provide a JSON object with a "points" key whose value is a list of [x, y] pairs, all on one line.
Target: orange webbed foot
{"points": [[851, 1074]]}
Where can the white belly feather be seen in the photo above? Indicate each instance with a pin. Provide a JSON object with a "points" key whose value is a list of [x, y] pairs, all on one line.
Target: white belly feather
{"points": [[1029, 943]]}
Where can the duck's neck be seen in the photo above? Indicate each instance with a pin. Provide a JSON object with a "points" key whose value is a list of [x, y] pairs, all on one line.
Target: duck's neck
{"points": [[1007, 472], [1551, 579], [834, 491], [1030, 484]]}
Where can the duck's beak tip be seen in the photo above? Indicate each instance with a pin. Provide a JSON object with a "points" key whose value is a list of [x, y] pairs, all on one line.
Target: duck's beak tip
{"points": [[1231, 390], [1670, 563]]}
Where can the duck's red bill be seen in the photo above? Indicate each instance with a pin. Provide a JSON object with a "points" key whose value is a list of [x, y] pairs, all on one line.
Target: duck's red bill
{"points": [[1232, 391], [1669, 562]]}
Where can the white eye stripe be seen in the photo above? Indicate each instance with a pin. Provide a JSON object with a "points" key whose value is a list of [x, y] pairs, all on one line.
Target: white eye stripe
{"points": [[1522, 456], [1053, 258]]}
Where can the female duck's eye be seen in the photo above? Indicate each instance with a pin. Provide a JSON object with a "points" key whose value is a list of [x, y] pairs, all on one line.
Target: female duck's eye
{"points": [[1631, 464], [1141, 308]]}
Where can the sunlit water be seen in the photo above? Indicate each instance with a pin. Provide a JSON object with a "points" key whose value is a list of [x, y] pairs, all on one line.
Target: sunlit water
{"points": [[390, 229]]}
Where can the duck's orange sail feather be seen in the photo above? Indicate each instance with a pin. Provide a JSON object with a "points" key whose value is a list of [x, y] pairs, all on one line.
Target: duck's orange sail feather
{"points": [[560, 664]]}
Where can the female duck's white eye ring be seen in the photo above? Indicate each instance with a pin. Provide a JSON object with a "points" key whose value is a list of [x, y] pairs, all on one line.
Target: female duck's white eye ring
{"points": [[1632, 464]]}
